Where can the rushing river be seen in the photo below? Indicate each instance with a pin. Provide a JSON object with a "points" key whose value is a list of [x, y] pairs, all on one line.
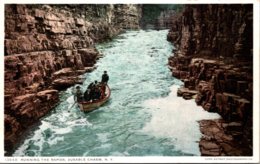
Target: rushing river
{"points": [[144, 117]]}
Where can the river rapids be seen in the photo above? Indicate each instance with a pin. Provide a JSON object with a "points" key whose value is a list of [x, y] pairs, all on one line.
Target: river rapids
{"points": [[144, 116]]}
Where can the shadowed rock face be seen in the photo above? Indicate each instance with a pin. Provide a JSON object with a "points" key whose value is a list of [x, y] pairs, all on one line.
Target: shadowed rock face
{"points": [[215, 31], [46, 48], [166, 19], [159, 16], [214, 60]]}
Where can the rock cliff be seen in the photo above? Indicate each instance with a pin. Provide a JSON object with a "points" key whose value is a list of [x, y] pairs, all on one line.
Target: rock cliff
{"points": [[46, 48], [214, 58], [159, 16], [165, 20]]}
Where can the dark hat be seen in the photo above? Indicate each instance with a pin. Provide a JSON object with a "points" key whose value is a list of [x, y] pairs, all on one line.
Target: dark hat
{"points": [[78, 87]]}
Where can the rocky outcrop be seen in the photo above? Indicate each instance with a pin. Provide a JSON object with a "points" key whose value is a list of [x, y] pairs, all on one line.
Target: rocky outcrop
{"points": [[213, 57], [223, 138], [25, 110], [46, 48], [215, 31]]}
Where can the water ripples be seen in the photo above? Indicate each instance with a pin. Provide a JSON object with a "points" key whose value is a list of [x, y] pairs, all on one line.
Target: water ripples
{"points": [[142, 117]]}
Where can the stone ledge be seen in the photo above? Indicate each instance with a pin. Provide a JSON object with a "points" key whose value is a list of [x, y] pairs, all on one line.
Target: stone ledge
{"points": [[186, 93]]}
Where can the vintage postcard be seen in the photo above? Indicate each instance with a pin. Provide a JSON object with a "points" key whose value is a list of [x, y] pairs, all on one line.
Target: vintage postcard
{"points": [[135, 81]]}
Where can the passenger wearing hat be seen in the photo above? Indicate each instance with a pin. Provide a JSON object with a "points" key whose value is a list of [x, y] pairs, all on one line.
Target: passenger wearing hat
{"points": [[104, 81], [79, 94], [96, 91], [105, 78]]}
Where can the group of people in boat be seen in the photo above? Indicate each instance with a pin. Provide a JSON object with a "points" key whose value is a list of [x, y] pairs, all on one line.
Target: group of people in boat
{"points": [[95, 90]]}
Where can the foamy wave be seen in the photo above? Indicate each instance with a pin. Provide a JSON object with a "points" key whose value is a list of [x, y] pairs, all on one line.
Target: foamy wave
{"points": [[176, 118], [55, 140], [103, 137], [45, 135], [37, 140], [79, 122], [70, 100]]}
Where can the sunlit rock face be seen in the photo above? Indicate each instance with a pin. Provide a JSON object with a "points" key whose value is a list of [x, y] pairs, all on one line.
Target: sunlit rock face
{"points": [[214, 58], [46, 48]]}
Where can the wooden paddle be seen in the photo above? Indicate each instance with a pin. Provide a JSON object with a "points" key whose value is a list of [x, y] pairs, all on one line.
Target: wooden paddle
{"points": [[73, 104]]}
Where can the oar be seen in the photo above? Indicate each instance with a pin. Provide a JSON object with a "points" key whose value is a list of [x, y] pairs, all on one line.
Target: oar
{"points": [[72, 106], [75, 101]]}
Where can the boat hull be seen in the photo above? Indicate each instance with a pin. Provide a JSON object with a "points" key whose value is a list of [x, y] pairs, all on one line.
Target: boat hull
{"points": [[90, 106]]}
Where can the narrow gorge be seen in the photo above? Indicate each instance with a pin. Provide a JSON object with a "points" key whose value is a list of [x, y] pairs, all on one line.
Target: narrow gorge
{"points": [[153, 53], [46, 48]]}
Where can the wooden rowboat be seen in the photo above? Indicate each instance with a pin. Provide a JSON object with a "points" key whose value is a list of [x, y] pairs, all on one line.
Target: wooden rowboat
{"points": [[87, 106]]}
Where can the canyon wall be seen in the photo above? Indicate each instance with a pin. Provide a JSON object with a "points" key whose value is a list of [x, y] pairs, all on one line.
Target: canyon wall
{"points": [[164, 21], [159, 16], [214, 59], [46, 48]]}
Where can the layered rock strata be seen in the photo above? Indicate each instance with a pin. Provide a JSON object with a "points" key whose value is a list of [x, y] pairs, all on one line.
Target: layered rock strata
{"points": [[213, 57], [46, 48]]}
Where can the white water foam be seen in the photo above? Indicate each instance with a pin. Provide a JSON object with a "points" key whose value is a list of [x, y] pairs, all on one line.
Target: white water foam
{"points": [[103, 137], [37, 137], [51, 134], [176, 118], [79, 122], [40, 141], [119, 154], [70, 100], [54, 140]]}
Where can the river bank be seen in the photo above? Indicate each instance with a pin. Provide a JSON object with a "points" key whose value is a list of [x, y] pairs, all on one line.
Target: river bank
{"points": [[46, 48], [215, 64], [50, 46], [144, 116]]}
